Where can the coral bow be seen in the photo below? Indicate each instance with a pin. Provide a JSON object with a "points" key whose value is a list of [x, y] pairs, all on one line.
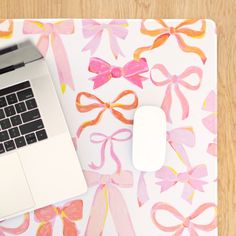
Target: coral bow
{"points": [[186, 223], [54, 30], [107, 197], [108, 140], [70, 212], [6, 33], [176, 81], [190, 179], [105, 106], [105, 71], [16, 230], [116, 29], [179, 137], [164, 33]]}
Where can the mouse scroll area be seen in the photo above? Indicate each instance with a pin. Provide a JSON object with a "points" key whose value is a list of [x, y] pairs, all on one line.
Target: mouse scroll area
{"points": [[149, 138]]}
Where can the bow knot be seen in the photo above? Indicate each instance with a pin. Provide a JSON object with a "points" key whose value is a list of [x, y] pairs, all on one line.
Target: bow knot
{"points": [[172, 30], [187, 222], [105, 179], [183, 177], [116, 72], [175, 79], [48, 28]]}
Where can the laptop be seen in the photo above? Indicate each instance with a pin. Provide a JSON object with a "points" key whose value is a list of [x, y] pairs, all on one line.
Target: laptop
{"points": [[38, 162]]}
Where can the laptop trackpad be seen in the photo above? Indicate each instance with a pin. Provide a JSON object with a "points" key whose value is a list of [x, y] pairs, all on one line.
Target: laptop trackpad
{"points": [[15, 195]]}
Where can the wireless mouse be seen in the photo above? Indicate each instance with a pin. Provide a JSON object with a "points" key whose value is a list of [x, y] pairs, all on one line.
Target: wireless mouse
{"points": [[149, 138]]}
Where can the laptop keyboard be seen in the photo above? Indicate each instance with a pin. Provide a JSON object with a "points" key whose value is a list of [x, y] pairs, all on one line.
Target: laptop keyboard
{"points": [[20, 120]]}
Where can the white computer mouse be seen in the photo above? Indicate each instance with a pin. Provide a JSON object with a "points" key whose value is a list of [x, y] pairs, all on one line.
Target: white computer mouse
{"points": [[149, 138]]}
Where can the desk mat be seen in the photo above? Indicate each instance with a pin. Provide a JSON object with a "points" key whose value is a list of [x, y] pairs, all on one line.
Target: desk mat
{"points": [[103, 70]]}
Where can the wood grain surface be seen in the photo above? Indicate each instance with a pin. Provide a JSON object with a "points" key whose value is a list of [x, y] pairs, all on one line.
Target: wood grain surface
{"points": [[223, 12]]}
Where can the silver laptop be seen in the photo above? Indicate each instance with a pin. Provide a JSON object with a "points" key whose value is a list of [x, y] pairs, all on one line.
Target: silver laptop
{"points": [[38, 162]]}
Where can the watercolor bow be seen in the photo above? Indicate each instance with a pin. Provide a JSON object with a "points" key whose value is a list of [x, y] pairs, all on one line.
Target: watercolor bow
{"points": [[16, 230], [99, 104], [210, 122], [186, 223], [176, 81], [8, 32], [108, 197], [106, 72], [191, 180], [162, 35], [54, 30], [116, 29], [69, 213], [108, 140]]}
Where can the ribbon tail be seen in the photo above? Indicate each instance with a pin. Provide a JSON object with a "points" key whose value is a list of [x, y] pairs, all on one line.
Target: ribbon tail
{"points": [[69, 228], [188, 193], [45, 229], [96, 167], [115, 48], [98, 213], [192, 231], [142, 192], [43, 44], [120, 214], [166, 104], [183, 101], [115, 158], [179, 232], [157, 43], [63, 67], [93, 44], [187, 48]]}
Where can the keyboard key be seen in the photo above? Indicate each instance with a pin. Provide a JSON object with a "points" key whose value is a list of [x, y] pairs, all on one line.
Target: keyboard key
{"points": [[5, 124], [4, 136], [11, 98], [10, 111], [16, 120], [14, 132], [3, 102], [14, 88], [2, 115], [41, 134], [25, 94], [30, 138], [2, 150], [20, 141], [9, 145], [30, 115], [31, 126], [31, 103], [20, 107]]}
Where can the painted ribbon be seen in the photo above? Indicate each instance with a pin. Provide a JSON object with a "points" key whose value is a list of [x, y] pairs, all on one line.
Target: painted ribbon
{"points": [[54, 30], [162, 35], [69, 213], [8, 32], [210, 122], [176, 81], [179, 137], [108, 197], [142, 193], [191, 180], [16, 230], [94, 29], [187, 223], [108, 140], [105, 72], [99, 104]]}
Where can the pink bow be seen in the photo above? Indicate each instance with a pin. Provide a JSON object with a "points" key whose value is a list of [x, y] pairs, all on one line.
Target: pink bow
{"points": [[54, 30], [116, 29], [17, 230], [176, 81], [106, 72], [70, 212], [186, 223], [210, 122], [190, 179], [179, 137], [102, 138], [108, 196], [142, 193]]}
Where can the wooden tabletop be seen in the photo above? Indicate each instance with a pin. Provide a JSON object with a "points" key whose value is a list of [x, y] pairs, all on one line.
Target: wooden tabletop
{"points": [[223, 12]]}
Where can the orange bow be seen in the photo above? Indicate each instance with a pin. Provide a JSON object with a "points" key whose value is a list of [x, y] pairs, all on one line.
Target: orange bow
{"points": [[164, 33], [70, 212], [105, 106], [6, 33]]}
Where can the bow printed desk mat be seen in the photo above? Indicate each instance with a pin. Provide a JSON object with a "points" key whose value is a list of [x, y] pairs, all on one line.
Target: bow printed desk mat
{"points": [[103, 70]]}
